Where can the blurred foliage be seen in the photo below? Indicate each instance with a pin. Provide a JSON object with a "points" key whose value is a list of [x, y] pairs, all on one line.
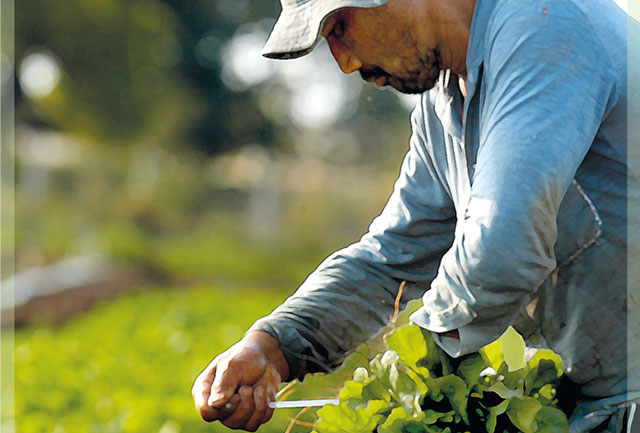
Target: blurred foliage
{"points": [[130, 70], [226, 117], [129, 365], [161, 210], [117, 60]]}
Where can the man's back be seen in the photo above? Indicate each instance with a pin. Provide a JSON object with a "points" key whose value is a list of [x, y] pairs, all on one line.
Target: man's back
{"points": [[553, 74]]}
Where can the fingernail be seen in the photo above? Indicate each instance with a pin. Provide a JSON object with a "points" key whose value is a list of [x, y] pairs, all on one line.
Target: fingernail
{"points": [[356, 63], [271, 391], [260, 393]]}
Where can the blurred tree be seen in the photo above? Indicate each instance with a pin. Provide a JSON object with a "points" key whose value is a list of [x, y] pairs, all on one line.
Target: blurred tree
{"points": [[116, 59], [135, 69], [226, 117]]}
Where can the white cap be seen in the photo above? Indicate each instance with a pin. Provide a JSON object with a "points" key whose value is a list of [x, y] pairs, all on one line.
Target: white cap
{"points": [[298, 29]]}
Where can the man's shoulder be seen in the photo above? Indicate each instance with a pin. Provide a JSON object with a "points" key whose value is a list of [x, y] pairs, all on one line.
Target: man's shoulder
{"points": [[593, 11], [600, 21], [539, 37]]}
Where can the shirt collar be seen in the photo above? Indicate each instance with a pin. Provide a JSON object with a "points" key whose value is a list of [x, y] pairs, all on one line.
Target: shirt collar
{"points": [[482, 13]]}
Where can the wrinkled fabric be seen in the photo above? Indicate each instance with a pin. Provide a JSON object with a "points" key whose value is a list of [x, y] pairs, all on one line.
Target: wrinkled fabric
{"points": [[510, 207], [609, 415]]}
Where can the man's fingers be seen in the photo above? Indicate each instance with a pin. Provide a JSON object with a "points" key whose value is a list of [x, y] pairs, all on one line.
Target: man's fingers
{"points": [[210, 414], [261, 406], [269, 382], [244, 411], [225, 383], [271, 393], [202, 386], [200, 393]]}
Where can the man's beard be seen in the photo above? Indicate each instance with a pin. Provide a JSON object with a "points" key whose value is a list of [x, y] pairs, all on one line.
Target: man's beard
{"points": [[415, 82]]}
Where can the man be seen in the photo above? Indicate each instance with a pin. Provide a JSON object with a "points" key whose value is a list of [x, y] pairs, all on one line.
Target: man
{"points": [[510, 209]]}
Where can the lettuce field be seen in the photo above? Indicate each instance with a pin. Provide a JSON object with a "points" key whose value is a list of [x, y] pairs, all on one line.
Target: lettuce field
{"points": [[128, 365]]}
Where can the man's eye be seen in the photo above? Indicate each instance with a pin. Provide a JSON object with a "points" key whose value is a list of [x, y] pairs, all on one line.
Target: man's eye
{"points": [[338, 29]]}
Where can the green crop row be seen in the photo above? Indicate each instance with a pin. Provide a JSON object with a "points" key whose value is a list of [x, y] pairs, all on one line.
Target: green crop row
{"points": [[127, 366]]}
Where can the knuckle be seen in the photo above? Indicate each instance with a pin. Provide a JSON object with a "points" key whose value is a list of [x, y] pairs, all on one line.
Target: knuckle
{"points": [[223, 365], [234, 364], [246, 392]]}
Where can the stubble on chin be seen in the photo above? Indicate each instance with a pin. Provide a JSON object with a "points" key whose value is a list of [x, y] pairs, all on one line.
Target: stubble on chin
{"points": [[415, 81]]}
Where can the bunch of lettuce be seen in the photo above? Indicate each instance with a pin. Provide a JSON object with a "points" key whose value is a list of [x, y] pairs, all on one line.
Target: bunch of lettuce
{"points": [[414, 388]]}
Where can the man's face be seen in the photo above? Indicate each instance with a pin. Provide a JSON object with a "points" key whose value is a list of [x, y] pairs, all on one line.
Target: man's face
{"points": [[383, 44]]}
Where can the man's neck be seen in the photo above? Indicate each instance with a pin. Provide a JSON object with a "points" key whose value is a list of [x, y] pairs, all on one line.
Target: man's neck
{"points": [[452, 24]]}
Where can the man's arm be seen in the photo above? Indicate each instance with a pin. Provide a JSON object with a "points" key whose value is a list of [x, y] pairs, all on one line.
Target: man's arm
{"points": [[350, 297], [346, 300], [547, 85]]}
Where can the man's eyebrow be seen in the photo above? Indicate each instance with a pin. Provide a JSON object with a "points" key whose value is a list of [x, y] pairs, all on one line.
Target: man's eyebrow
{"points": [[329, 24], [326, 29]]}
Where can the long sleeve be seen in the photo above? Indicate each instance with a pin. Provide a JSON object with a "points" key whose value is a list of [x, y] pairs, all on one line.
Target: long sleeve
{"points": [[546, 87], [351, 295]]}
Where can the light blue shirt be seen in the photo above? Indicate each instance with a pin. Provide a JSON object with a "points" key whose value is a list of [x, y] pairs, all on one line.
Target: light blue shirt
{"points": [[510, 208]]}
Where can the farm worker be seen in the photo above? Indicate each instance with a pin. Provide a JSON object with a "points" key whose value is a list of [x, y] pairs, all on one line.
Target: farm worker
{"points": [[510, 208]]}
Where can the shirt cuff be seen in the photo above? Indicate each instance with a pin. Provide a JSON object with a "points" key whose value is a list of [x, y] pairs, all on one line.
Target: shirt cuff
{"points": [[471, 340], [441, 315], [290, 343]]}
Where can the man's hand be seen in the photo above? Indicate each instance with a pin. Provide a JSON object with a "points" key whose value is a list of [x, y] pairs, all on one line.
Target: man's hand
{"points": [[235, 386]]}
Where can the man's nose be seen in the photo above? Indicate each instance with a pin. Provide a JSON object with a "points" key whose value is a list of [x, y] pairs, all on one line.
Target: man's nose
{"points": [[346, 59]]}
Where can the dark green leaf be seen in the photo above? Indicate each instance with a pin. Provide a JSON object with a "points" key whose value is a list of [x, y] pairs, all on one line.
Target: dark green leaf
{"points": [[522, 413]]}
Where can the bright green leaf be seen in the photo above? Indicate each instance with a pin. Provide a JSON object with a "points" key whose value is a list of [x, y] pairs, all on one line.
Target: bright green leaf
{"points": [[513, 348], [415, 345], [492, 354], [343, 418], [547, 391], [400, 420], [351, 390]]}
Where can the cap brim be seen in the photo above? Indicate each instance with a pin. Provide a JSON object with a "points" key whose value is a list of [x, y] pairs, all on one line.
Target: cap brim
{"points": [[298, 28]]}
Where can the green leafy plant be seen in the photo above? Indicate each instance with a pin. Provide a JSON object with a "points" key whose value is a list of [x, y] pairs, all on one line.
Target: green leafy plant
{"points": [[414, 388]]}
